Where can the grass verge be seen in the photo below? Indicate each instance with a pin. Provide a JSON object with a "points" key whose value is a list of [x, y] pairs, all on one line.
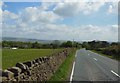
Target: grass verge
{"points": [[63, 73], [109, 56]]}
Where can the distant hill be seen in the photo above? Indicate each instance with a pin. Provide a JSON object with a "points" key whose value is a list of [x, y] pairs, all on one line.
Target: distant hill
{"points": [[31, 40], [26, 40]]}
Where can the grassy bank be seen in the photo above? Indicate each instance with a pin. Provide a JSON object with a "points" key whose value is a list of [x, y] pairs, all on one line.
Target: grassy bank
{"points": [[109, 56], [63, 73], [10, 57]]}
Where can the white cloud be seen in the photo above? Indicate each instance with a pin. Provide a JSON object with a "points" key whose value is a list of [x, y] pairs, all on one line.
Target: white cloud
{"points": [[35, 14], [67, 9], [9, 16]]}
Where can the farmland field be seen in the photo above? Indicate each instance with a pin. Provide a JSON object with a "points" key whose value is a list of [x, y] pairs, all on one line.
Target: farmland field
{"points": [[10, 57]]}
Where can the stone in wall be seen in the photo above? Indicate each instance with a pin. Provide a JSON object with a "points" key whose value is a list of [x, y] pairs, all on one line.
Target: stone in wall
{"points": [[22, 66], [7, 75], [29, 63], [15, 70]]}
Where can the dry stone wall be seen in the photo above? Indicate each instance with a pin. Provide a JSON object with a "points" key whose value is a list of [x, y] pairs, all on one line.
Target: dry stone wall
{"points": [[40, 69]]}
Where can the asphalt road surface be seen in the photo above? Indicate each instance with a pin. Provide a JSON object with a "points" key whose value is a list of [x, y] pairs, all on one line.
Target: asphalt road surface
{"points": [[90, 66]]}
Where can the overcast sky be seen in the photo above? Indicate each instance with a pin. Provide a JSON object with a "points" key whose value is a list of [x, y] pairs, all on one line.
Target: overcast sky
{"points": [[60, 21]]}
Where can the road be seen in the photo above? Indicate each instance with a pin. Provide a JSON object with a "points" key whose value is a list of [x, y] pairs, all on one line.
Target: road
{"points": [[90, 66]]}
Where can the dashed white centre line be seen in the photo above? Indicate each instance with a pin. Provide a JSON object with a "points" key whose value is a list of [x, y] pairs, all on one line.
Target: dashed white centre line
{"points": [[115, 73], [76, 54], [95, 59]]}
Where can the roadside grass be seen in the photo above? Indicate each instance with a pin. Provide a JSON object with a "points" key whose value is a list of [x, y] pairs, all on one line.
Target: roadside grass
{"points": [[63, 73], [0, 58], [10, 57], [109, 56]]}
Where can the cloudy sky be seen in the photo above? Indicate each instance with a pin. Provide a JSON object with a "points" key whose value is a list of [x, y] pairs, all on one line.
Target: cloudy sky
{"points": [[81, 21]]}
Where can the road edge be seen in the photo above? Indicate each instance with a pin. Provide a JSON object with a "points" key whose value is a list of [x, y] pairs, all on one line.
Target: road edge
{"points": [[71, 76]]}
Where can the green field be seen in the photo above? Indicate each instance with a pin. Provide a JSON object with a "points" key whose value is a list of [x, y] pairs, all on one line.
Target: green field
{"points": [[10, 57]]}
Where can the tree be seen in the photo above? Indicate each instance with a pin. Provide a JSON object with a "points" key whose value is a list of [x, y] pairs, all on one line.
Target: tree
{"points": [[66, 44], [35, 45], [76, 44], [55, 44]]}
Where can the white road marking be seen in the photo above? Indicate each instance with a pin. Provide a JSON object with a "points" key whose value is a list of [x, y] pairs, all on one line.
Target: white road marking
{"points": [[95, 59], [115, 73], [76, 54], [72, 72]]}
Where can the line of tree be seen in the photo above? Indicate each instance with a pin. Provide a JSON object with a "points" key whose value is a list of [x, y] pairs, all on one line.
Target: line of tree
{"points": [[111, 49], [92, 45], [28, 45]]}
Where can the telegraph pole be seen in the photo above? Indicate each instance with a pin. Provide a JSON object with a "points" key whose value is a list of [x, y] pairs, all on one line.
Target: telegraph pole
{"points": [[73, 44]]}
